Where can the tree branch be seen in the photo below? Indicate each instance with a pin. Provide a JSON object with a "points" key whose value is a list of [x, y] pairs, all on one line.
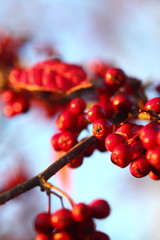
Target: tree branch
{"points": [[49, 172]]}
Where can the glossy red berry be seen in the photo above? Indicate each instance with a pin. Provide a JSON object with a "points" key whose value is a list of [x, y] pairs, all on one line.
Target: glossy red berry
{"points": [[81, 212], [8, 96], [41, 236], [67, 121], [62, 219], [77, 105], [154, 176], [82, 122], [129, 129], [95, 112], [107, 106], [67, 140], [85, 229], [148, 135], [76, 162], [153, 104], [62, 236], [140, 167], [100, 236], [122, 102], [153, 157], [115, 77], [113, 140], [42, 223], [101, 128], [100, 208], [122, 155], [54, 141]]}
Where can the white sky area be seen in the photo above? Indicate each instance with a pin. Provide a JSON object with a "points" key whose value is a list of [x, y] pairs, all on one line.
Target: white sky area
{"points": [[124, 32]]}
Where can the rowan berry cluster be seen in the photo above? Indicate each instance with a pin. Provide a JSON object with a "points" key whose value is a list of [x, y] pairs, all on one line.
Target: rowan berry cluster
{"points": [[129, 143], [72, 224]]}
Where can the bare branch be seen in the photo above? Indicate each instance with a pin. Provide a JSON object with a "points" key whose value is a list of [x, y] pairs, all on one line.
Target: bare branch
{"points": [[49, 172]]}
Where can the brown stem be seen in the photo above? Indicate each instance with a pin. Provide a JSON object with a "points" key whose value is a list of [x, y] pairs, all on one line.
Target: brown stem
{"points": [[49, 172]]}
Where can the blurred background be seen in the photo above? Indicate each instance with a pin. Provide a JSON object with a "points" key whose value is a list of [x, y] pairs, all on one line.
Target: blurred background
{"points": [[122, 32]]}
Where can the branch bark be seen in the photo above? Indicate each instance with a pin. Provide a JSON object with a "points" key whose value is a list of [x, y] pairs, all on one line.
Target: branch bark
{"points": [[49, 172]]}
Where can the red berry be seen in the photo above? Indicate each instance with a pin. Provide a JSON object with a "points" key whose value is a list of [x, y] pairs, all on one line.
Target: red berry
{"points": [[101, 128], [153, 157], [67, 140], [54, 141], [67, 121], [86, 229], [148, 135], [122, 155], [122, 102], [8, 95], [95, 112], [82, 122], [153, 104], [77, 105], [41, 236], [20, 105], [62, 236], [42, 223], [81, 212], [137, 148], [76, 162], [8, 110], [154, 176], [62, 219], [99, 208], [113, 140], [100, 236], [140, 167], [129, 129], [107, 106], [115, 77]]}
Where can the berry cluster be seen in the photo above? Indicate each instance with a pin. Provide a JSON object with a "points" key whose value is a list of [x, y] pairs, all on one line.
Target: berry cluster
{"points": [[14, 102], [129, 143], [75, 224], [52, 75]]}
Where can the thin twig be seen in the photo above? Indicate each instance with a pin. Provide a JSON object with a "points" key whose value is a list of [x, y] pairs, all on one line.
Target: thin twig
{"points": [[49, 172]]}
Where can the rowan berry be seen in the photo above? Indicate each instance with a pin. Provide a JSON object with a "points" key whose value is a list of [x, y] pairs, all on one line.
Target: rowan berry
{"points": [[67, 121], [153, 157], [62, 219], [62, 236], [95, 112], [77, 105], [54, 141], [148, 135], [100, 236], [76, 162], [42, 223], [140, 167], [113, 140], [101, 128], [115, 77], [122, 155], [41, 236], [67, 140], [153, 104], [122, 102], [100, 208], [81, 212]]}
